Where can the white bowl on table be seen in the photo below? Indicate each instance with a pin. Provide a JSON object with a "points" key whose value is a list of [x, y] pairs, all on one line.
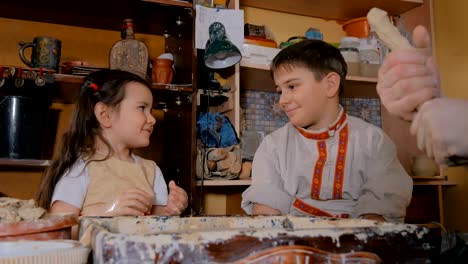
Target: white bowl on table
{"points": [[43, 252]]}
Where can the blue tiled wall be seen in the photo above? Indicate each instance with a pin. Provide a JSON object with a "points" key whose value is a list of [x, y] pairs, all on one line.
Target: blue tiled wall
{"points": [[364, 108], [261, 111]]}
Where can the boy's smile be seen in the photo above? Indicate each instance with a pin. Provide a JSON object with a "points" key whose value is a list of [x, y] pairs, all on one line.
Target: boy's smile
{"points": [[305, 100]]}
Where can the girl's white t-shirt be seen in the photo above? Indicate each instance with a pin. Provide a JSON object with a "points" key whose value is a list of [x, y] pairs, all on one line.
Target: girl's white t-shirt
{"points": [[72, 187]]}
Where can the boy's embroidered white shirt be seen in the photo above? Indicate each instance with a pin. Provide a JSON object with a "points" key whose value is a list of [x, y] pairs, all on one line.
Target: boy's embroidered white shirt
{"points": [[373, 182]]}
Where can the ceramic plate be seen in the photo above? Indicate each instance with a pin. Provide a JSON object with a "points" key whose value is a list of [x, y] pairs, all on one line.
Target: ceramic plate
{"points": [[51, 251]]}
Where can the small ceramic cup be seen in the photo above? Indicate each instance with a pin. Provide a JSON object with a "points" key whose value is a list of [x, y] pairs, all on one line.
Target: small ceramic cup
{"points": [[423, 166], [162, 71]]}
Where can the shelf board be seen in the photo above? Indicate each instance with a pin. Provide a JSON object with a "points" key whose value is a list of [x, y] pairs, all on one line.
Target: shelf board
{"points": [[361, 79], [429, 178], [434, 183], [173, 87], [69, 78], [150, 16], [170, 2], [259, 66], [266, 67], [225, 183], [334, 9], [24, 163], [432, 180], [257, 77], [69, 86]]}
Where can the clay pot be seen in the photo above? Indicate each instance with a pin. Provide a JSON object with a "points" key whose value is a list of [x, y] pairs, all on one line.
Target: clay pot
{"points": [[423, 166], [162, 71], [49, 227]]}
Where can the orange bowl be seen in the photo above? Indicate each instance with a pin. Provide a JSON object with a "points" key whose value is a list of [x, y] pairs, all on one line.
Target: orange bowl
{"points": [[49, 227], [357, 27]]}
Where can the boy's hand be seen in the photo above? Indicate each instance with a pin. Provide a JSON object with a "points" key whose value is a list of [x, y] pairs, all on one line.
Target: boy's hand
{"points": [[408, 78], [134, 201], [177, 200]]}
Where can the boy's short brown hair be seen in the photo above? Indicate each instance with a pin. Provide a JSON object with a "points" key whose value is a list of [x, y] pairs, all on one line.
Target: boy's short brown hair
{"points": [[318, 56]]}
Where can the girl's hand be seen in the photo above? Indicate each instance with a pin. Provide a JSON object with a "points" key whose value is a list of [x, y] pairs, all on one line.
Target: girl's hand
{"points": [[177, 200], [134, 201]]}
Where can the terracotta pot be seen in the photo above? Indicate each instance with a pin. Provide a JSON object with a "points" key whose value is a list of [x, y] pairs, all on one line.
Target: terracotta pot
{"points": [[423, 166], [162, 71], [49, 227]]}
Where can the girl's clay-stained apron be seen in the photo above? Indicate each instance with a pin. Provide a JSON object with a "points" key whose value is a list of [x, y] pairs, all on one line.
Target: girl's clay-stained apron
{"points": [[111, 177]]}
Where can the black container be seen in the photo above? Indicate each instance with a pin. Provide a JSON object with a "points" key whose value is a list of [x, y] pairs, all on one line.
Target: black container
{"points": [[21, 126]]}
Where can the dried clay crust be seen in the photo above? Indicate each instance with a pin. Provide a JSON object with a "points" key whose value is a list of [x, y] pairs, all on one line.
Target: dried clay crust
{"points": [[14, 210]]}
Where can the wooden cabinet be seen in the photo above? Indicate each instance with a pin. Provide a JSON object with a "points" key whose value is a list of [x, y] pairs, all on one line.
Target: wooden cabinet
{"points": [[87, 30]]}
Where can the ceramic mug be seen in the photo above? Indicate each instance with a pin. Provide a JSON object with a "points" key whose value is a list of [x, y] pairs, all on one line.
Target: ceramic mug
{"points": [[45, 53]]}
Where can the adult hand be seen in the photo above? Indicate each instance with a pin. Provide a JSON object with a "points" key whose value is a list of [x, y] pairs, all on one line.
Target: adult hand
{"points": [[133, 201], [440, 127], [408, 78], [177, 200]]}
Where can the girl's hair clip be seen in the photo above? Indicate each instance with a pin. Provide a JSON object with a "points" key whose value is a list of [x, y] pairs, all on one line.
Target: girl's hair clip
{"points": [[94, 86]]}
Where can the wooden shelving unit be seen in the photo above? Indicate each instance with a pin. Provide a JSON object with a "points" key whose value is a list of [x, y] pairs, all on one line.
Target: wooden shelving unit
{"points": [[266, 67], [246, 64], [225, 182], [333, 9], [171, 2], [67, 78], [257, 77], [435, 183], [361, 79], [68, 87], [176, 126], [24, 163]]}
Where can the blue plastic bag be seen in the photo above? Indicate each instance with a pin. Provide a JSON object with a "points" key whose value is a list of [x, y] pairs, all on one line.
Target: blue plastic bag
{"points": [[216, 131]]}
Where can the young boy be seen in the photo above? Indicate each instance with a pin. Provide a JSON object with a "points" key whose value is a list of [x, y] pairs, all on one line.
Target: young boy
{"points": [[324, 162]]}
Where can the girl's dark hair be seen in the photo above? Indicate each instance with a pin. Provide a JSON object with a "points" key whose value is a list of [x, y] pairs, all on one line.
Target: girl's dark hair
{"points": [[105, 86], [318, 56]]}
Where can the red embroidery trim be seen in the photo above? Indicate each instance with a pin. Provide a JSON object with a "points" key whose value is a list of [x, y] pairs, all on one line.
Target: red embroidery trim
{"points": [[324, 135], [309, 209], [340, 164], [318, 170], [314, 211]]}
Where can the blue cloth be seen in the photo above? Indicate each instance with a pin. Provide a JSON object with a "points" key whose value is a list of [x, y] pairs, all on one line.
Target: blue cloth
{"points": [[216, 131]]}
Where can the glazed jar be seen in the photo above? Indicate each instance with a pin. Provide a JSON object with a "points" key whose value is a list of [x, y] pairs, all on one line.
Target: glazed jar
{"points": [[349, 49], [162, 70], [423, 166]]}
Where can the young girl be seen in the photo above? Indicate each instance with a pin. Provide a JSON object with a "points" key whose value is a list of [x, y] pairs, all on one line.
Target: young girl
{"points": [[96, 172]]}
